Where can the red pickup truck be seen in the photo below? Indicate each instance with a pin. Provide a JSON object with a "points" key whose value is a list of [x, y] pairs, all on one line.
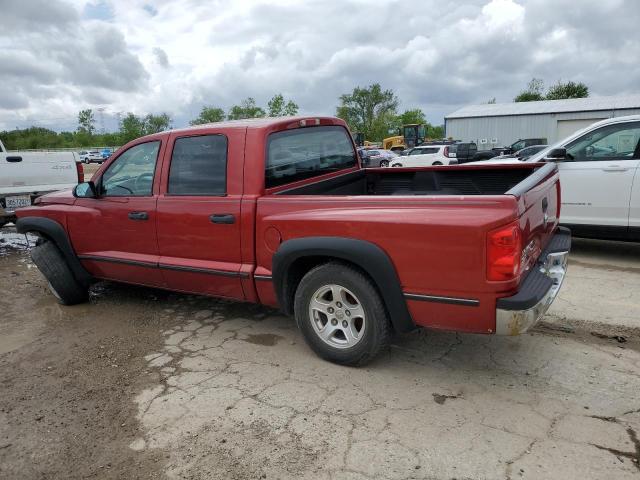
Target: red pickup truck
{"points": [[279, 212]]}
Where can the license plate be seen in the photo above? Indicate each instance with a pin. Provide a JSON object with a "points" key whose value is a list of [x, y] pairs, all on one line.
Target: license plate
{"points": [[17, 201]]}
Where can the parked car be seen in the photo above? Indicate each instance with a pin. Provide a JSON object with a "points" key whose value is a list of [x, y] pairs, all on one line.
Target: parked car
{"points": [[354, 254], [377, 157], [509, 150], [427, 155], [26, 175], [464, 151], [105, 153], [91, 156], [520, 144], [523, 154], [600, 171]]}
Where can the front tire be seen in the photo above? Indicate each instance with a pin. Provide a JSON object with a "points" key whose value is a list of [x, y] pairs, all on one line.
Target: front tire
{"points": [[341, 315], [384, 163], [437, 163], [53, 266]]}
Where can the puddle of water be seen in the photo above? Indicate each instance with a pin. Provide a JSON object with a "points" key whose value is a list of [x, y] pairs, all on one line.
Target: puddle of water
{"points": [[11, 241], [265, 339]]}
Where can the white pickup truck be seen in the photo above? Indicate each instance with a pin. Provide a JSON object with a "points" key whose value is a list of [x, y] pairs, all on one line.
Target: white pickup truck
{"points": [[600, 178], [27, 175]]}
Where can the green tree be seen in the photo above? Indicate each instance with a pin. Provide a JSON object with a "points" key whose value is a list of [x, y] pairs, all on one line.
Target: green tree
{"points": [[86, 121], [533, 92], [246, 109], [131, 128], [435, 132], [209, 115], [277, 107], [412, 116], [156, 123], [567, 90], [369, 110]]}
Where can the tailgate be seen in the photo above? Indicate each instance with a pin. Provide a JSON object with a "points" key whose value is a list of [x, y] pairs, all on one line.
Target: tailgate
{"points": [[21, 171], [538, 210]]}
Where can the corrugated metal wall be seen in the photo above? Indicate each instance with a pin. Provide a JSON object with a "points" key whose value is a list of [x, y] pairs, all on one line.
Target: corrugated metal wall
{"points": [[508, 129]]}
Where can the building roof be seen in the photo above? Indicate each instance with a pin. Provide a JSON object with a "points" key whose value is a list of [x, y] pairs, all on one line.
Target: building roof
{"points": [[548, 106]]}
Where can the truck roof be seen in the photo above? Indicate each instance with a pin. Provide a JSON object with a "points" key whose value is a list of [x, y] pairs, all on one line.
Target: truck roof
{"points": [[258, 123]]}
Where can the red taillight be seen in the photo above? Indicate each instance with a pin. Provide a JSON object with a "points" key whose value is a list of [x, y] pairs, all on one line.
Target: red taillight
{"points": [[446, 151], [504, 250], [80, 171]]}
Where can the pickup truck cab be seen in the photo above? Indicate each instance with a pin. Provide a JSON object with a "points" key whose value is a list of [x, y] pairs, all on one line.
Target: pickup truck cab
{"points": [[280, 212], [26, 175], [600, 171]]}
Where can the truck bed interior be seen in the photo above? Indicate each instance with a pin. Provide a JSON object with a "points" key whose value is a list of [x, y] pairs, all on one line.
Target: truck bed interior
{"points": [[437, 181]]}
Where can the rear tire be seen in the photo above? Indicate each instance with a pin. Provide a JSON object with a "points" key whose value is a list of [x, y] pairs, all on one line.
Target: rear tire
{"points": [[341, 315], [384, 163], [437, 163], [53, 266]]}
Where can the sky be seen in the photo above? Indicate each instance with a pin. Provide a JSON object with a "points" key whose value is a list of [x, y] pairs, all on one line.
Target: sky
{"points": [[176, 56]]}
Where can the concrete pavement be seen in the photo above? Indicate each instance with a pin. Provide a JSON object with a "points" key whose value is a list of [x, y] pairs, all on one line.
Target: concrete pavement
{"points": [[244, 397]]}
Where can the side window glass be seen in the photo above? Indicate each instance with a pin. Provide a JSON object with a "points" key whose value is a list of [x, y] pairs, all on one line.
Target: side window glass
{"points": [[199, 166], [611, 142], [131, 175]]}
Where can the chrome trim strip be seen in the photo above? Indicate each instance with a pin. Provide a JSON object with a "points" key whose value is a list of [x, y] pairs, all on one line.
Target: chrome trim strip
{"points": [[263, 277], [138, 263], [207, 271], [467, 302]]}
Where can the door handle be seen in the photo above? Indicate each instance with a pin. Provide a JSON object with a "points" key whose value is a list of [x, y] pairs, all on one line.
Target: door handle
{"points": [[223, 218], [14, 159], [138, 216], [614, 168]]}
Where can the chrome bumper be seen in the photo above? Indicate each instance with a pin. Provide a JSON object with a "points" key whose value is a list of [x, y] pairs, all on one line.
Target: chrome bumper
{"points": [[515, 322]]}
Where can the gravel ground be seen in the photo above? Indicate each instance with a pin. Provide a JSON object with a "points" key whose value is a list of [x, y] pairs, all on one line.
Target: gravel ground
{"points": [[140, 383]]}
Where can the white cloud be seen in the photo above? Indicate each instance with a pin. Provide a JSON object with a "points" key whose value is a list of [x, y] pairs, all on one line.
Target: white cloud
{"points": [[175, 56]]}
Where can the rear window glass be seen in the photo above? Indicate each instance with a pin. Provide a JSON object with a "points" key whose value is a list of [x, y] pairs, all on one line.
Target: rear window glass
{"points": [[199, 166], [307, 152]]}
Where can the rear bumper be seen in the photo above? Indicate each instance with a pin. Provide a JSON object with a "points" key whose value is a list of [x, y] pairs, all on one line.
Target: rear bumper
{"points": [[520, 312]]}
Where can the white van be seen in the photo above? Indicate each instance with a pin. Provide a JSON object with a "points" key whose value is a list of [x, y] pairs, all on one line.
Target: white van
{"points": [[27, 175]]}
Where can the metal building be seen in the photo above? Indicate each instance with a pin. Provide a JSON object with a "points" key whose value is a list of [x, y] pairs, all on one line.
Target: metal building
{"points": [[501, 124]]}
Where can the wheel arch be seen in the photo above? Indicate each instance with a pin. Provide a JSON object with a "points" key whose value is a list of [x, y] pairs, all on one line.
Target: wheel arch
{"points": [[296, 257], [55, 233]]}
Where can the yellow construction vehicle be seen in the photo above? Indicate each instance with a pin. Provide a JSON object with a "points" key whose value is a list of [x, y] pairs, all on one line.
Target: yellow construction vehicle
{"points": [[359, 140], [409, 136]]}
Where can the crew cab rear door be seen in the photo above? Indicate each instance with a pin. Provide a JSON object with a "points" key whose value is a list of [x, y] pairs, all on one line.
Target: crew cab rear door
{"points": [[199, 212]]}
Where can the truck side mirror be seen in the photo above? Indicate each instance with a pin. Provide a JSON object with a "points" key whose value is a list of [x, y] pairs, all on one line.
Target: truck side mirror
{"points": [[556, 155], [85, 190]]}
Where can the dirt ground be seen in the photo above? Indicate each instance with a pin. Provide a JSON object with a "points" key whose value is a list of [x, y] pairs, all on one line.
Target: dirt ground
{"points": [[141, 383]]}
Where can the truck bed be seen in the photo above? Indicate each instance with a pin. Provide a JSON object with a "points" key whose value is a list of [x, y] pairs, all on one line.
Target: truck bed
{"points": [[421, 181]]}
